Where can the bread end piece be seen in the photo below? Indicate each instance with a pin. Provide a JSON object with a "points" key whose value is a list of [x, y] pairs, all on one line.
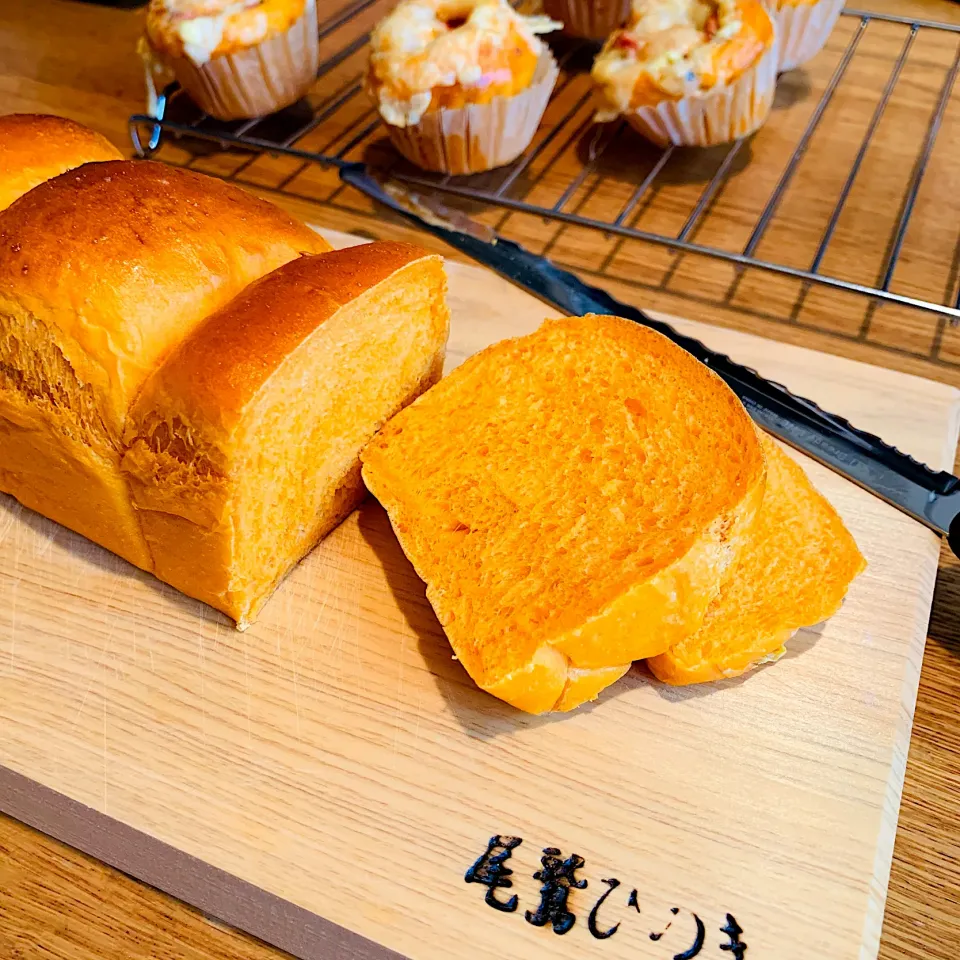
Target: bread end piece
{"points": [[243, 448], [797, 566]]}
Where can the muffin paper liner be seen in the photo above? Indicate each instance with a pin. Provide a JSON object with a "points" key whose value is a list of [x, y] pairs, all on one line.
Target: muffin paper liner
{"points": [[256, 81], [591, 19], [719, 117], [478, 137], [804, 29]]}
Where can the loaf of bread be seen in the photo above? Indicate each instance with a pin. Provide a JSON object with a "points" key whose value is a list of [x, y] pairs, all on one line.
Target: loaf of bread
{"points": [[103, 270], [798, 565], [35, 147], [574, 500], [157, 399]]}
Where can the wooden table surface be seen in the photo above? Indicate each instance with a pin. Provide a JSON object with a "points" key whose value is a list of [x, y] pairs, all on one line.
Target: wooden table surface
{"points": [[75, 59]]}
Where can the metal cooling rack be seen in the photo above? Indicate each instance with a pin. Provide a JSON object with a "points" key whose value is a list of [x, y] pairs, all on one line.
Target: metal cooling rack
{"points": [[355, 129]]}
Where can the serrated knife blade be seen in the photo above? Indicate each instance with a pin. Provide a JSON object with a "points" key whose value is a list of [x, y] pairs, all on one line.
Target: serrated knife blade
{"points": [[930, 497]]}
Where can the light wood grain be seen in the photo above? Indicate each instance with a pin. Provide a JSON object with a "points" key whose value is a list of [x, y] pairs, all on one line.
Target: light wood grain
{"points": [[71, 58], [337, 738]]}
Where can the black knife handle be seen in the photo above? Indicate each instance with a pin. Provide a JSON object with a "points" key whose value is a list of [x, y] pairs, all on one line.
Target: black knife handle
{"points": [[953, 535]]}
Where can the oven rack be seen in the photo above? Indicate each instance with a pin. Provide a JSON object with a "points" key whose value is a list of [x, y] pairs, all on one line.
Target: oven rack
{"points": [[514, 189]]}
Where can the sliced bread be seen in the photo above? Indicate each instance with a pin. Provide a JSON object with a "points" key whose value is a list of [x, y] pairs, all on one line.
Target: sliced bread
{"points": [[573, 499], [794, 572]]}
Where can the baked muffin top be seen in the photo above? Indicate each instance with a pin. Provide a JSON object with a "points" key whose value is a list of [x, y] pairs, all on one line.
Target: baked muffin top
{"points": [[428, 54], [204, 29], [671, 49]]}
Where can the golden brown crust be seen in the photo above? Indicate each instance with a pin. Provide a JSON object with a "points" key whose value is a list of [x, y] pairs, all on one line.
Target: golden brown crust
{"points": [[36, 147], [124, 258], [205, 29], [106, 272], [217, 370]]}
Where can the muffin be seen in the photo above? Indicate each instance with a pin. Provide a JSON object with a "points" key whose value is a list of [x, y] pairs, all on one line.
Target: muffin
{"points": [[803, 27], [689, 72], [589, 19], [460, 84], [235, 59]]}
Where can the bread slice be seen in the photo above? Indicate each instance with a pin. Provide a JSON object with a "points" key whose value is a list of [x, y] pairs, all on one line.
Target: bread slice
{"points": [[794, 572], [573, 500], [35, 147], [243, 448], [103, 270]]}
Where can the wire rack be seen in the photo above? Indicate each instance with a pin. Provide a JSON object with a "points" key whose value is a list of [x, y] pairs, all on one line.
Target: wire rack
{"points": [[604, 180]]}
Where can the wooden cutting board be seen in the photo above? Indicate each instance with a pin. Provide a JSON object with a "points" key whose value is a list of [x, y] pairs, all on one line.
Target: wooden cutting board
{"points": [[325, 780]]}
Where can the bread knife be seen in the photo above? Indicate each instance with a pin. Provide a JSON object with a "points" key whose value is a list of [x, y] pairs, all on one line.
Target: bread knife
{"points": [[929, 496]]}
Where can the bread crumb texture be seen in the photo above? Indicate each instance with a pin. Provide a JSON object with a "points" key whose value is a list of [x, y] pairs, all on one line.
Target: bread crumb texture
{"points": [[574, 500]]}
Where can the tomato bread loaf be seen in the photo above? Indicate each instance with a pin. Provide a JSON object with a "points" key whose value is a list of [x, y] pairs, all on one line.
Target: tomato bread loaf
{"points": [[158, 400], [574, 500], [103, 270]]}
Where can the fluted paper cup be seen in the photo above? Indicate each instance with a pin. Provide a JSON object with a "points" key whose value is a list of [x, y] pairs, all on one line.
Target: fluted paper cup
{"points": [[730, 113], [804, 29], [591, 19], [482, 136], [262, 79]]}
